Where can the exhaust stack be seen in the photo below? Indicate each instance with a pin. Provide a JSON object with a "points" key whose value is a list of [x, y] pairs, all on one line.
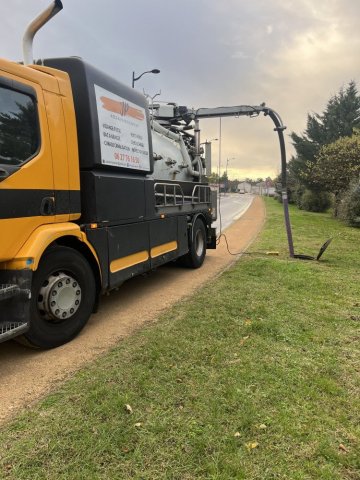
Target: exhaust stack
{"points": [[34, 26]]}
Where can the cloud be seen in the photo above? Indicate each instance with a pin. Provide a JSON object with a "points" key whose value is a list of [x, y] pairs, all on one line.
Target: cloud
{"points": [[292, 54], [239, 54], [312, 51]]}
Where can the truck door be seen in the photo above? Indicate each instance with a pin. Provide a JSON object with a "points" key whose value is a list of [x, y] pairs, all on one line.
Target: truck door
{"points": [[26, 171]]}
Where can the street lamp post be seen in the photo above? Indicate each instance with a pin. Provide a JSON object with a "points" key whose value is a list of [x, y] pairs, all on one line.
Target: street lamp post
{"points": [[135, 79], [226, 169], [209, 141]]}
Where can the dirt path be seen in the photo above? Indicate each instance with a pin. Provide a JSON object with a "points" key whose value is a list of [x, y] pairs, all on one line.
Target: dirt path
{"points": [[27, 375]]}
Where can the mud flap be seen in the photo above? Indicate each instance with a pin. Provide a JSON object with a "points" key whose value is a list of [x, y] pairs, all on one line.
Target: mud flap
{"points": [[15, 296], [211, 240]]}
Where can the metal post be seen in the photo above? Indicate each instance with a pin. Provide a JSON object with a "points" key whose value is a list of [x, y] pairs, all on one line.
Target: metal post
{"points": [[135, 79]]}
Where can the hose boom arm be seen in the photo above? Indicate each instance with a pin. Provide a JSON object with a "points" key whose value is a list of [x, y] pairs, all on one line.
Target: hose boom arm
{"points": [[251, 111]]}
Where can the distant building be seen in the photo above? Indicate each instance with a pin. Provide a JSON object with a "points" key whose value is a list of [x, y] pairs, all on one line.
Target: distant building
{"points": [[264, 188]]}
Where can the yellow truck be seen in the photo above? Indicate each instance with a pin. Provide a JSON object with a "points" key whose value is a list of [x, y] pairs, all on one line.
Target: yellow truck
{"points": [[85, 201]]}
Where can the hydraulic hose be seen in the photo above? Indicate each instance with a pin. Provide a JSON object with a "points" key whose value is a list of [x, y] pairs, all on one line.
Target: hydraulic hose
{"points": [[279, 128]]}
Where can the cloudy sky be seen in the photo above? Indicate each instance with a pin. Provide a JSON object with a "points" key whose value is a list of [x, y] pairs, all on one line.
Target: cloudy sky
{"points": [[291, 54]]}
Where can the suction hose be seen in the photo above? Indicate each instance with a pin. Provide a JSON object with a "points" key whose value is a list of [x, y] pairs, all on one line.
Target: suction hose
{"points": [[279, 128]]}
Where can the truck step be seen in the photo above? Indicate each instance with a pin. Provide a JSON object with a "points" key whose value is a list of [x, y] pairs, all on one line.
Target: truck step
{"points": [[11, 329], [9, 291]]}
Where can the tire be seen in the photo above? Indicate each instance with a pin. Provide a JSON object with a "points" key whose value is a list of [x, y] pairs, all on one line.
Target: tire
{"points": [[197, 247], [63, 298]]}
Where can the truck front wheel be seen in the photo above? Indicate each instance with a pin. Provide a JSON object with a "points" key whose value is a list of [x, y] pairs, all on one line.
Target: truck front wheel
{"points": [[63, 297]]}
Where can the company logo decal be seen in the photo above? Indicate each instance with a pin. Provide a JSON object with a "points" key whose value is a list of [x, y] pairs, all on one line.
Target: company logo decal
{"points": [[121, 108]]}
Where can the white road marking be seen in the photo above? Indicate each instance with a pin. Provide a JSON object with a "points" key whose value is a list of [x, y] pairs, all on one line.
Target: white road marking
{"points": [[232, 209], [243, 211]]}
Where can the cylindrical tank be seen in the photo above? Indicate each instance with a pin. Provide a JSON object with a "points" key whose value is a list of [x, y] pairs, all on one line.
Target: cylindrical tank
{"points": [[172, 160], [169, 162]]}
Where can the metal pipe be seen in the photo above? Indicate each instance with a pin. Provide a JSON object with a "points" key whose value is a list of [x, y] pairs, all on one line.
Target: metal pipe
{"points": [[279, 128], [34, 26], [197, 158], [186, 155], [208, 158], [164, 131]]}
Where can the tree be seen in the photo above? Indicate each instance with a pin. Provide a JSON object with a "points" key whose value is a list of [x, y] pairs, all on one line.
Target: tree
{"points": [[18, 133], [213, 178], [337, 165], [294, 189], [233, 185], [341, 116], [349, 208]]}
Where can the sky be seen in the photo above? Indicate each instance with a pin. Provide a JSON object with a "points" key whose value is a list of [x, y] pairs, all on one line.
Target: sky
{"points": [[291, 54]]}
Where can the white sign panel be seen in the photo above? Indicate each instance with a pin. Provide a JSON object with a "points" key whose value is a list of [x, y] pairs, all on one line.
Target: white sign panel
{"points": [[123, 131]]}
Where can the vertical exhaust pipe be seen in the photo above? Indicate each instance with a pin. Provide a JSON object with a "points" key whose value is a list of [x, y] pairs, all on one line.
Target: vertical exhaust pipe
{"points": [[34, 26]]}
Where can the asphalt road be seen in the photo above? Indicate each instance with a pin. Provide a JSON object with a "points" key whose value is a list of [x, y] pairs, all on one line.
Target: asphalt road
{"points": [[232, 207]]}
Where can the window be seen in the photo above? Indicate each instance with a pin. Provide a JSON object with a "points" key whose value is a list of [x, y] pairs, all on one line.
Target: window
{"points": [[19, 131]]}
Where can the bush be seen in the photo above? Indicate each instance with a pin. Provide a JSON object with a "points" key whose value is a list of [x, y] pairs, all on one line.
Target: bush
{"points": [[349, 209], [315, 201], [294, 191], [297, 195]]}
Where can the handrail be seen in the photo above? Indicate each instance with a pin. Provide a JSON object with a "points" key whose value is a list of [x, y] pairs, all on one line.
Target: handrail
{"points": [[202, 189], [173, 195]]}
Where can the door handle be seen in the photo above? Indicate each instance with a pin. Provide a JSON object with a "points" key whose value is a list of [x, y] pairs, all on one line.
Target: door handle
{"points": [[47, 206]]}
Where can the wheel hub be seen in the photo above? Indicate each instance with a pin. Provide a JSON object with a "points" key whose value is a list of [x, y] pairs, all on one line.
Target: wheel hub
{"points": [[59, 297]]}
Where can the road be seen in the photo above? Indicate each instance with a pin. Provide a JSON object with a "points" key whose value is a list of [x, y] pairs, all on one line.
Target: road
{"points": [[232, 206], [27, 375]]}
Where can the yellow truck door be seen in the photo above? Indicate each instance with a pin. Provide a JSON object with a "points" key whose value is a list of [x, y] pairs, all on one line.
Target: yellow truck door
{"points": [[26, 169]]}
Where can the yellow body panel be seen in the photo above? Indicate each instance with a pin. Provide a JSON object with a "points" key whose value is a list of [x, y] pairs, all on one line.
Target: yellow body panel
{"points": [[56, 165], [164, 248], [35, 174], [140, 257], [30, 254], [31, 74], [69, 124], [128, 261], [12, 234], [57, 135]]}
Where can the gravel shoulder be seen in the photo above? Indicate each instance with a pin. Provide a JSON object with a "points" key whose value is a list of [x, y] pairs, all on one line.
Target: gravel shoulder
{"points": [[28, 375]]}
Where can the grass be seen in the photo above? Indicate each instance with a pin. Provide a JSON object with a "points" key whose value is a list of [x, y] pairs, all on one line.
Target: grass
{"points": [[255, 377]]}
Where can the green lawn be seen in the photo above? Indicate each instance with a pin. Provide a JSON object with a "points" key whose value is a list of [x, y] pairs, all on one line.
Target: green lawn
{"points": [[255, 377]]}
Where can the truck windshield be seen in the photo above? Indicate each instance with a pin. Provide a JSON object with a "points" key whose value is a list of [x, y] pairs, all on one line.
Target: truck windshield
{"points": [[19, 133]]}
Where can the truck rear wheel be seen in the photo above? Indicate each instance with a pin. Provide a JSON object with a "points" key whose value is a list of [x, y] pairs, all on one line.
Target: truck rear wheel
{"points": [[197, 248], [63, 297]]}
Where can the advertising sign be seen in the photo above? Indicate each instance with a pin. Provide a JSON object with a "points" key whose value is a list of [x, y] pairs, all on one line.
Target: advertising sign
{"points": [[123, 132]]}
